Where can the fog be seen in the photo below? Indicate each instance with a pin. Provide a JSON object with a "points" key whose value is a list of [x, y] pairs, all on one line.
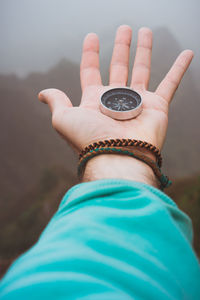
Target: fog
{"points": [[36, 34]]}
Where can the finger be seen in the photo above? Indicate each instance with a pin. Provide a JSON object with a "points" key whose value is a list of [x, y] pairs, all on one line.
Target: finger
{"points": [[170, 83], [142, 63], [56, 99], [120, 57], [89, 68]]}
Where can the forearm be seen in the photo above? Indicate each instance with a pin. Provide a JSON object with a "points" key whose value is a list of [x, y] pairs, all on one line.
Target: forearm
{"points": [[110, 239], [106, 166]]}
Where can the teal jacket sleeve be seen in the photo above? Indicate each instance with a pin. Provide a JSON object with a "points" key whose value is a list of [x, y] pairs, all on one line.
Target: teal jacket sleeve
{"points": [[110, 239]]}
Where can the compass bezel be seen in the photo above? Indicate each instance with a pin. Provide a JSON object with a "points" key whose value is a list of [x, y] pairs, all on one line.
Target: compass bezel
{"points": [[125, 114]]}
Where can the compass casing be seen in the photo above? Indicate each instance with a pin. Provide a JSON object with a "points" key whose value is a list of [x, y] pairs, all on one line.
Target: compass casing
{"points": [[122, 114]]}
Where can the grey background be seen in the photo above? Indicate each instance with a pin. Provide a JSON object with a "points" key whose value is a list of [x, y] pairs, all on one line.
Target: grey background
{"points": [[35, 34]]}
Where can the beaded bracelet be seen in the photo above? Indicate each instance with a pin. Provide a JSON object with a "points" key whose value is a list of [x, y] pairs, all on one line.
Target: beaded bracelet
{"points": [[124, 143], [164, 180]]}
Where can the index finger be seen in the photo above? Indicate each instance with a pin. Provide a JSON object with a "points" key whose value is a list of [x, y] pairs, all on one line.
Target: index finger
{"points": [[89, 68]]}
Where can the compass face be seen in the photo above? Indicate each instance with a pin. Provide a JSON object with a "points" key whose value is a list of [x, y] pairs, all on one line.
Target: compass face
{"points": [[121, 99]]}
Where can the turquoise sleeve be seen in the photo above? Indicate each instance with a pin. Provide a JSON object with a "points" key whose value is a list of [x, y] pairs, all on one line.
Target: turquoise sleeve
{"points": [[110, 239]]}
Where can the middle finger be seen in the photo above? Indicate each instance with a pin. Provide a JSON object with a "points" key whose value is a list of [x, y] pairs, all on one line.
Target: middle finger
{"points": [[120, 57]]}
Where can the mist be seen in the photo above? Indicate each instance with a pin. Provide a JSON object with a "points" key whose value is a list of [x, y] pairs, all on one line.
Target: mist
{"points": [[36, 34]]}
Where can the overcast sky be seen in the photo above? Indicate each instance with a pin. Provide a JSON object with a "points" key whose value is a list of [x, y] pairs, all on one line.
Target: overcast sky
{"points": [[36, 34]]}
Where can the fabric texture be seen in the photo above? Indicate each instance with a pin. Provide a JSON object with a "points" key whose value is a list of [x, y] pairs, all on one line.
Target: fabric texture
{"points": [[110, 239]]}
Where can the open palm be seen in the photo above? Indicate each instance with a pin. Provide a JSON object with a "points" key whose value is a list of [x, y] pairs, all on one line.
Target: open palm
{"points": [[85, 124]]}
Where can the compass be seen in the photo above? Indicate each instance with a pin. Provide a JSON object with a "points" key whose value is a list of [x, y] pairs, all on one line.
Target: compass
{"points": [[121, 103]]}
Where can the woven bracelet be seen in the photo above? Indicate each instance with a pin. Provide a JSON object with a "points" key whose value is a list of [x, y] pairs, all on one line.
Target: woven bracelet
{"points": [[124, 143], [164, 180]]}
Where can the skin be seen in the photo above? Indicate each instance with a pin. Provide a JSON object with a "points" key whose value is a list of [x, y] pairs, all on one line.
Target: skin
{"points": [[85, 124]]}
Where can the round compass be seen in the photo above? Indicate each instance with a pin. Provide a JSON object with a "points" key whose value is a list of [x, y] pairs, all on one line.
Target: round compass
{"points": [[121, 103]]}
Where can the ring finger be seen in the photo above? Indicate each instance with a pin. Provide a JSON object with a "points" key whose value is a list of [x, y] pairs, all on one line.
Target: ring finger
{"points": [[142, 63]]}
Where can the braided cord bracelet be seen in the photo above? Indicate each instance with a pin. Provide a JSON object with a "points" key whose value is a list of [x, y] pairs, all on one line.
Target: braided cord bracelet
{"points": [[164, 180], [124, 143]]}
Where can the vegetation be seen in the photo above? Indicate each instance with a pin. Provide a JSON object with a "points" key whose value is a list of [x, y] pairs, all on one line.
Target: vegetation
{"points": [[186, 193], [19, 233]]}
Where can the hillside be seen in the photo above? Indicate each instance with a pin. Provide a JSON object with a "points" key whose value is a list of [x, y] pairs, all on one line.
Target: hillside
{"points": [[186, 193], [29, 145]]}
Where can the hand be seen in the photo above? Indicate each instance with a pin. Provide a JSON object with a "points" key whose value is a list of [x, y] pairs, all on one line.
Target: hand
{"points": [[85, 124]]}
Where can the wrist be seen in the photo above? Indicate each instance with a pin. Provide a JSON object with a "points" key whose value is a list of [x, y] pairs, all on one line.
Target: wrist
{"points": [[106, 166]]}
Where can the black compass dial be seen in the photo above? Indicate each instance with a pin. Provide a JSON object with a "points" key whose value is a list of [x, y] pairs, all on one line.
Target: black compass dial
{"points": [[121, 99]]}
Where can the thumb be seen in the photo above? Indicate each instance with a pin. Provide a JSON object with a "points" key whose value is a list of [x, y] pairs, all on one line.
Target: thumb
{"points": [[56, 99]]}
